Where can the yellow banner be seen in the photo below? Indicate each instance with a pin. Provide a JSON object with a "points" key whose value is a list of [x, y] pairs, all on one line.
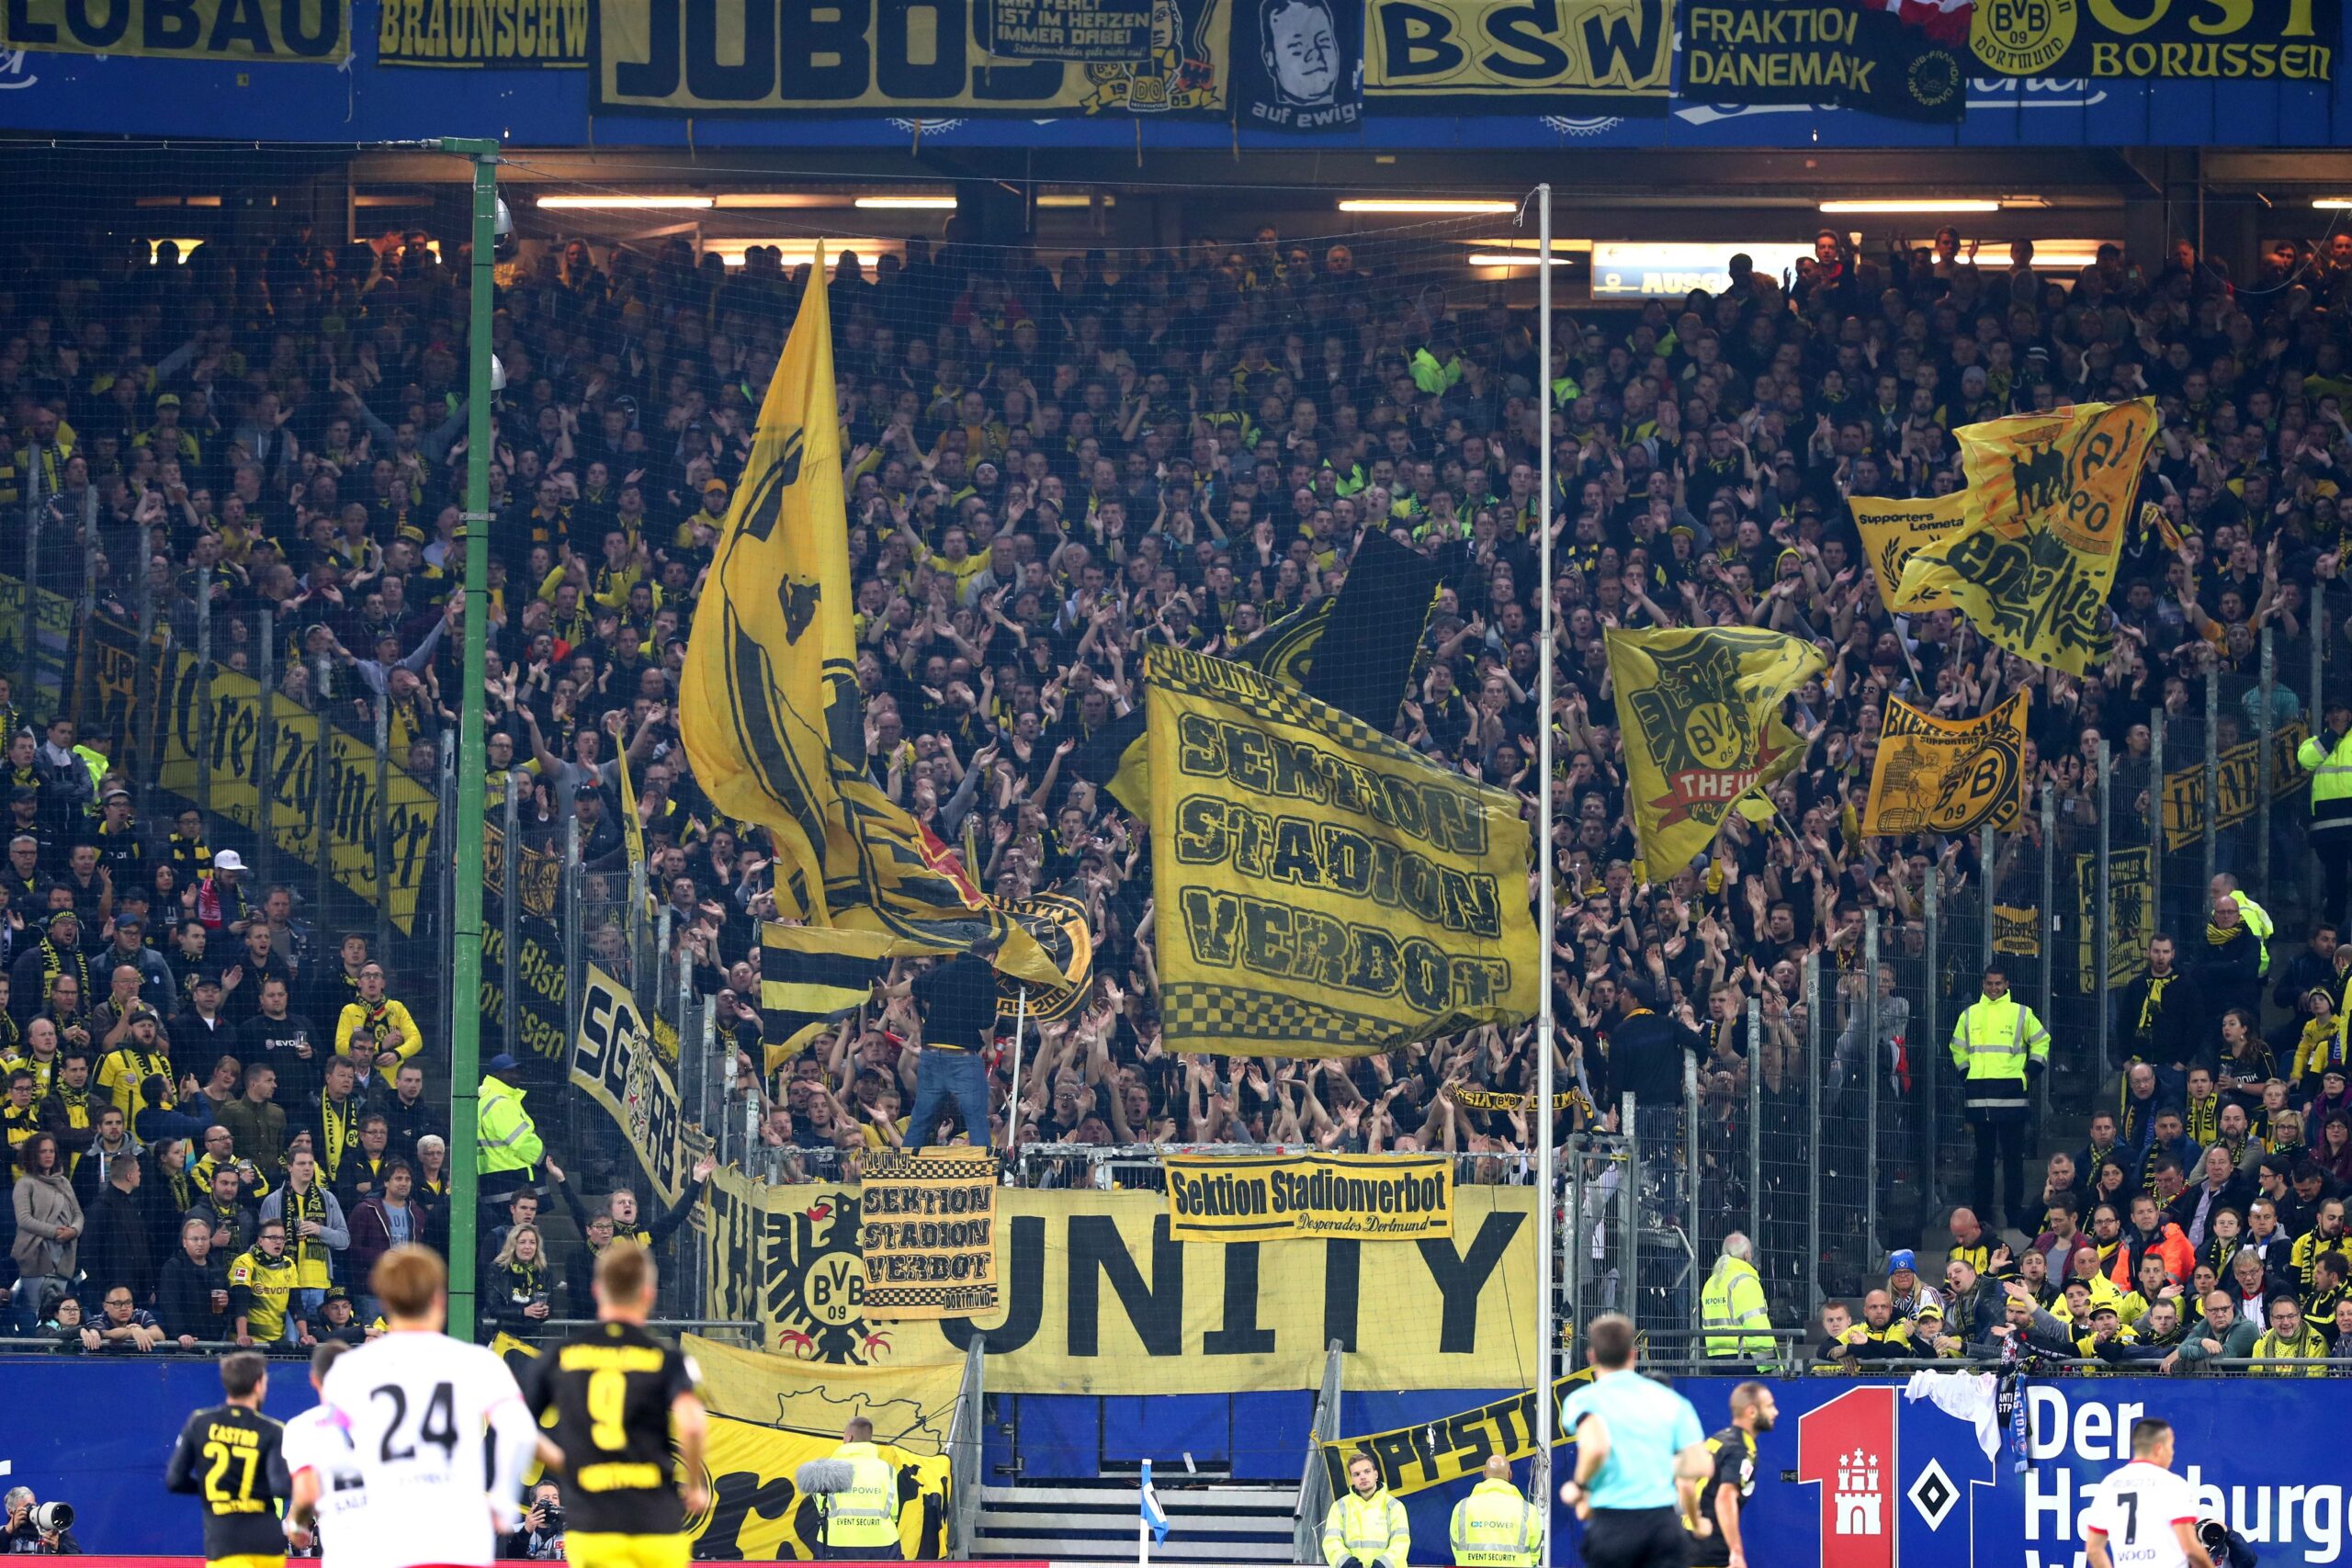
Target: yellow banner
{"points": [[757, 1512], [1699, 714], [1488, 1099], [928, 1234], [504, 33], [1100, 1299], [1421, 54], [2047, 500], [1292, 1197], [617, 1063], [1452, 1448], [2238, 785], [1894, 531], [238, 772], [1938, 775], [2131, 919], [2016, 932], [1060, 924], [912, 1408], [742, 57], [768, 703], [296, 32], [1324, 890]]}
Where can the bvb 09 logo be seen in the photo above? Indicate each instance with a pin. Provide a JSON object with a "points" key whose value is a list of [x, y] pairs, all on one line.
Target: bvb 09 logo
{"points": [[2022, 38]]}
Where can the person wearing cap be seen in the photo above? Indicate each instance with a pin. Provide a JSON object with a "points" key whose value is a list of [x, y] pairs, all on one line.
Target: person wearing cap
{"points": [[136, 1076], [387, 1020], [509, 1142], [2327, 757], [129, 947], [120, 848], [220, 897], [58, 953], [202, 1029], [1904, 1286]]}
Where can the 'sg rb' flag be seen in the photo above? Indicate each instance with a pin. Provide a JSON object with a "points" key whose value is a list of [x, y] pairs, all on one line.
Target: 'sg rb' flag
{"points": [[2047, 499], [1699, 714], [1937, 776], [768, 704], [1323, 890], [1894, 531]]}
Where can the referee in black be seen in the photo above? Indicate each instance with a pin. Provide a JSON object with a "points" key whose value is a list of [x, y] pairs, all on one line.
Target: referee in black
{"points": [[234, 1457], [620, 1395]]}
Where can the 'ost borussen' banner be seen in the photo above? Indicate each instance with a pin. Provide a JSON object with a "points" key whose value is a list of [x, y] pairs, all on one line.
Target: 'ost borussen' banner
{"points": [[2255, 40]]}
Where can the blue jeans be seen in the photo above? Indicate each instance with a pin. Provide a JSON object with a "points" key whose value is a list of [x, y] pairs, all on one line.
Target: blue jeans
{"points": [[944, 1074]]}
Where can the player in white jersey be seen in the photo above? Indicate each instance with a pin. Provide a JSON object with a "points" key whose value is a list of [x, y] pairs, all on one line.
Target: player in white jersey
{"points": [[2143, 1516], [418, 1407], [328, 1492]]}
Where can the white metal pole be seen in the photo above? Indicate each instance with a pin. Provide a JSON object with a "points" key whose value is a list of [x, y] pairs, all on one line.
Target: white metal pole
{"points": [[1546, 1331], [1143, 1521], [1012, 1110]]}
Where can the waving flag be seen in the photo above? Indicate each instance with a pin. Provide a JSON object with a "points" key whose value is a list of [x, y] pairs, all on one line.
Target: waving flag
{"points": [[1154, 1519]]}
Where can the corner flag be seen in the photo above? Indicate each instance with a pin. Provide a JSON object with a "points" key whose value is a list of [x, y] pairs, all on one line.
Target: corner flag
{"points": [[1154, 1519]]}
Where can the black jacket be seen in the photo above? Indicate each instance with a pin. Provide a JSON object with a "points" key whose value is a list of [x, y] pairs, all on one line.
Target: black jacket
{"points": [[115, 1250], [2176, 1026], [184, 1299]]}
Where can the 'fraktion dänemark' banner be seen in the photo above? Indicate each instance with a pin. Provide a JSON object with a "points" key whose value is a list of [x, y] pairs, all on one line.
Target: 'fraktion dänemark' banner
{"points": [[243, 32], [1279, 1196], [1940, 775], [1323, 890], [2047, 500], [928, 1234], [1831, 53], [1699, 710]]}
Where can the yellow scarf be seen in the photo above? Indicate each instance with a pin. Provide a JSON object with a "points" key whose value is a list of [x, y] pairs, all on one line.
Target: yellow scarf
{"points": [[340, 1130], [2156, 1002], [2221, 936], [2205, 1121]]}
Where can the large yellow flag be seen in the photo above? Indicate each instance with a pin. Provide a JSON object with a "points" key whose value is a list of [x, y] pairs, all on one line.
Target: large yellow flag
{"points": [[2047, 500], [1938, 775], [1699, 714], [1892, 531], [769, 705]]}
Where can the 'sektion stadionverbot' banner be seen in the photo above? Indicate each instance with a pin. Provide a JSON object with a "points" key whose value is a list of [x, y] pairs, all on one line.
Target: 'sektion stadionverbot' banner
{"points": [[1289, 1197]]}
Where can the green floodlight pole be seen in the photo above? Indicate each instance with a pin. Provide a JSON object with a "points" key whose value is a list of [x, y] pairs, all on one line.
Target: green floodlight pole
{"points": [[465, 957]]}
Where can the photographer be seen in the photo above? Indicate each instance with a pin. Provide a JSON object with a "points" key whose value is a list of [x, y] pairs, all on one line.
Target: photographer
{"points": [[541, 1536], [38, 1529]]}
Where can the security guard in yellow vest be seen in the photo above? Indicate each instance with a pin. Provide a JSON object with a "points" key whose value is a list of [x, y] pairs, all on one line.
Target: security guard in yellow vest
{"points": [[2257, 918], [1366, 1528], [1997, 1046], [1495, 1527], [861, 1521], [2327, 757], [509, 1141], [1730, 1307]]}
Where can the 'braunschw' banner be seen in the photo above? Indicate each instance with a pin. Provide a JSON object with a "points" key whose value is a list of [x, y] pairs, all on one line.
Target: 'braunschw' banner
{"points": [[1270, 1197], [476, 33], [1324, 890], [706, 57], [295, 32], [928, 1234]]}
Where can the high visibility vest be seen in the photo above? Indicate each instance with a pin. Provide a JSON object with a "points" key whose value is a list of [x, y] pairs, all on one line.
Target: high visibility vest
{"points": [[1734, 1300], [867, 1513], [507, 1139], [2331, 771], [1991, 1045], [1494, 1526], [2258, 921], [1370, 1529]]}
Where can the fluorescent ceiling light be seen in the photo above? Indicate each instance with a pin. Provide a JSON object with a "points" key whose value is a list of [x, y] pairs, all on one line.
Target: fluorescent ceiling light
{"points": [[905, 203], [1561, 246], [1076, 199], [1517, 258], [801, 252], [769, 200], [625, 203], [1915, 204], [2331, 203], [1419, 204]]}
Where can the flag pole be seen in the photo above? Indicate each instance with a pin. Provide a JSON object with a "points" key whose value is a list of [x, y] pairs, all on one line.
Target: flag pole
{"points": [[1012, 1107], [1542, 1120]]}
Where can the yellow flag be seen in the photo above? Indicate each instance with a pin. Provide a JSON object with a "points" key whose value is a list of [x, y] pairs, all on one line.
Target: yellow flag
{"points": [[1892, 531], [1937, 776], [1322, 889], [1699, 714], [769, 705], [2048, 498]]}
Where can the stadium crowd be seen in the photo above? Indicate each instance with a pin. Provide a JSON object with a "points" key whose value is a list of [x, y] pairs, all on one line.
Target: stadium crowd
{"points": [[217, 1112]]}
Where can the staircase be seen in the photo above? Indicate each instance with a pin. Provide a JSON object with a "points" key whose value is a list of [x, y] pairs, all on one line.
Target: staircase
{"points": [[1081, 1521]]}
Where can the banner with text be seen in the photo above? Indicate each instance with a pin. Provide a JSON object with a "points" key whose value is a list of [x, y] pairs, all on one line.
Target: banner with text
{"points": [[1892, 530], [239, 32], [752, 57], [1325, 889], [473, 33], [1945, 776], [2017, 931], [1452, 1447], [619, 1064], [1100, 1298], [1834, 53], [2237, 792], [1574, 57], [2131, 918], [1298, 66], [542, 980], [1291, 1197], [928, 1234], [2242, 40]]}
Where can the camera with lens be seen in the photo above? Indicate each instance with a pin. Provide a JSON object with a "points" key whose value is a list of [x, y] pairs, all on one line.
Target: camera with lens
{"points": [[51, 1518], [552, 1518]]}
